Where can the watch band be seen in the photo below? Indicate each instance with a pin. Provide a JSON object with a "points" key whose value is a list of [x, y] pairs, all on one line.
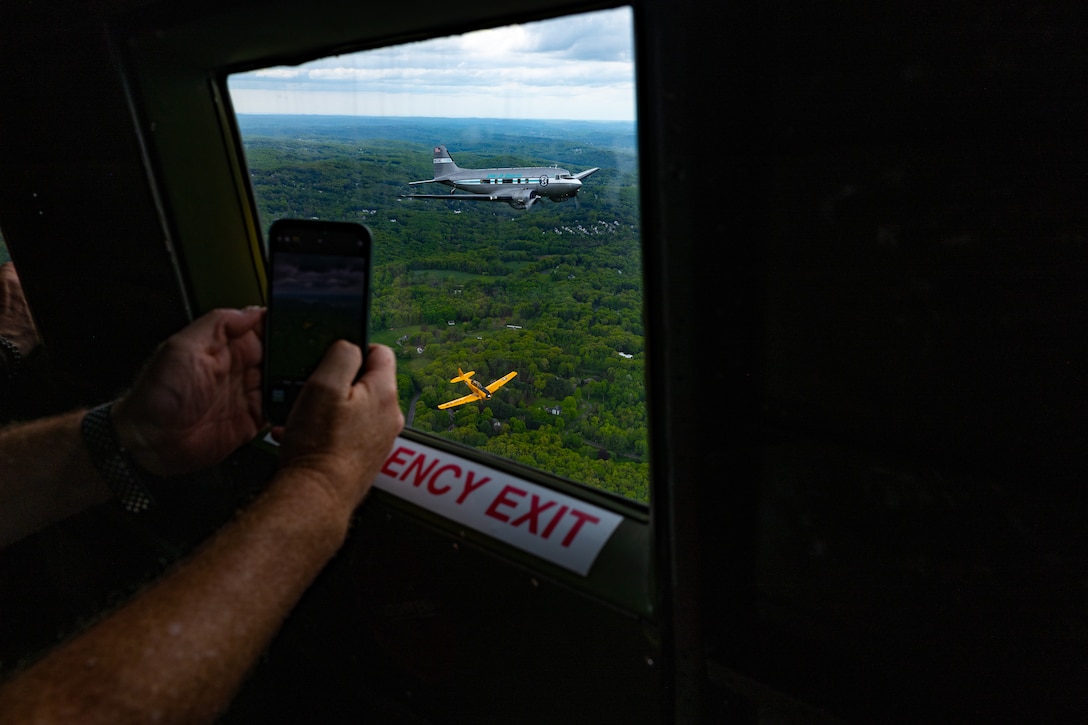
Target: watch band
{"points": [[122, 475], [14, 359]]}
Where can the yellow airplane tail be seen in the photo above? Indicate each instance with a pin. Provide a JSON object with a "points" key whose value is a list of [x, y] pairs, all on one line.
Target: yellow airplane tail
{"points": [[462, 376]]}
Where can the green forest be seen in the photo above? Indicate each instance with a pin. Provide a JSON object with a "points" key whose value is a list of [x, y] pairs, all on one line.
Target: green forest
{"points": [[553, 292]]}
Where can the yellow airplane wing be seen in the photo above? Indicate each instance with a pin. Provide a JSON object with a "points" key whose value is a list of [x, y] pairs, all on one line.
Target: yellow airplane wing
{"points": [[501, 382], [459, 401]]}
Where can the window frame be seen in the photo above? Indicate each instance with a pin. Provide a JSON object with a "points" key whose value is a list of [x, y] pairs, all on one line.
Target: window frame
{"points": [[195, 157]]}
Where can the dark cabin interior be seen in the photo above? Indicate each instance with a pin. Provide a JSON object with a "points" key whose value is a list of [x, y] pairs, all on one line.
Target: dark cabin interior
{"points": [[866, 291]]}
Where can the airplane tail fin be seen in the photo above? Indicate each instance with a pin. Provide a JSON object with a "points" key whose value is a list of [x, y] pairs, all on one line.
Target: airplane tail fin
{"points": [[443, 163], [462, 376], [443, 166]]}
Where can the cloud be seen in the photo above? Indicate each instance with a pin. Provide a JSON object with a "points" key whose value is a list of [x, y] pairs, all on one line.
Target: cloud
{"points": [[278, 73], [579, 66], [591, 37]]}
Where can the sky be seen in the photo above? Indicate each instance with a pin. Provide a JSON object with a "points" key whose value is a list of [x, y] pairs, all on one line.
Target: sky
{"points": [[576, 67]]}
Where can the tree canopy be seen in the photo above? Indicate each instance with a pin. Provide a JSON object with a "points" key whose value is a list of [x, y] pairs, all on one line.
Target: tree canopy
{"points": [[554, 292]]}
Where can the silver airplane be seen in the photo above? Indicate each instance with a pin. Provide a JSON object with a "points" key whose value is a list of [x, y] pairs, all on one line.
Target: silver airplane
{"points": [[519, 187]]}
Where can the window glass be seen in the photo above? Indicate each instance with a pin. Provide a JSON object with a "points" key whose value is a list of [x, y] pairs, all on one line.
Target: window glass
{"points": [[526, 260]]}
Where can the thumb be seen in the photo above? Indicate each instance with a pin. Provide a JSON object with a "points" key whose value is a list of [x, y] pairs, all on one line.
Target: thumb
{"points": [[339, 367]]}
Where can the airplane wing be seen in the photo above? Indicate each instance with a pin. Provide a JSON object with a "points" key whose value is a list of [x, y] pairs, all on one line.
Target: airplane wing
{"points": [[519, 198], [455, 197], [501, 382], [459, 401]]}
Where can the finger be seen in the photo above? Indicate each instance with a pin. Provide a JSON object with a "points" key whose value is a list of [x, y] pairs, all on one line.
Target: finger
{"points": [[237, 323], [381, 370], [203, 329], [249, 346], [380, 359], [259, 327], [339, 366], [218, 323]]}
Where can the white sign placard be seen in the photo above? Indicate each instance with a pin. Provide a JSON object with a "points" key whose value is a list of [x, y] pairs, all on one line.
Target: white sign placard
{"points": [[561, 529]]}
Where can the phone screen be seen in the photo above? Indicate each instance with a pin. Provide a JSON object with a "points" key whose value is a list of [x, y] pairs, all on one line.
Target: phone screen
{"points": [[319, 291]]}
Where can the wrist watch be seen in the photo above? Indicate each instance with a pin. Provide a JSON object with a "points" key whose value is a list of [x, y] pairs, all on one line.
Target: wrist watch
{"points": [[124, 477]]}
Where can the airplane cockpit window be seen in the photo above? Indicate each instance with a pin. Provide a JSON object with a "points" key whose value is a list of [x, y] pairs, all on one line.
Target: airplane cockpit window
{"points": [[498, 172]]}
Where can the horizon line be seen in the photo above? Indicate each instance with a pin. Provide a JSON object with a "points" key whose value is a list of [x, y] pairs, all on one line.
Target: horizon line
{"points": [[438, 118]]}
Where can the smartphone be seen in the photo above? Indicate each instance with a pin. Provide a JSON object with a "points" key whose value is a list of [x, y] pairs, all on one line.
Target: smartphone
{"points": [[319, 292]]}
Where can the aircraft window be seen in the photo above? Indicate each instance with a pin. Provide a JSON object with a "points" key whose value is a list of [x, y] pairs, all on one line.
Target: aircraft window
{"points": [[533, 290]]}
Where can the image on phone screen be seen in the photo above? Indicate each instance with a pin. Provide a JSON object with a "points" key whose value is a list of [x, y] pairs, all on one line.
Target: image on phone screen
{"points": [[316, 297]]}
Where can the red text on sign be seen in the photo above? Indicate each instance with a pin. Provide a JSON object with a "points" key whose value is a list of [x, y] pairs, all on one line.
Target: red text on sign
{"points": [[536, 514]]}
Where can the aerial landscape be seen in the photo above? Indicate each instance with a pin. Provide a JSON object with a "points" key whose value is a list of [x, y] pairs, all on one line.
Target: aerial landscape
{"points": [[552, 292]]}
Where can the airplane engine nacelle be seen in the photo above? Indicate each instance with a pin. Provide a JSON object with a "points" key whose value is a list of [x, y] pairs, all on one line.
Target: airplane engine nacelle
{"points": [[522, 199]]}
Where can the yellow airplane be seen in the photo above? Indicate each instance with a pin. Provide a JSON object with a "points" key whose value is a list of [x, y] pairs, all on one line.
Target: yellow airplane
{"points": [[479, 392]]}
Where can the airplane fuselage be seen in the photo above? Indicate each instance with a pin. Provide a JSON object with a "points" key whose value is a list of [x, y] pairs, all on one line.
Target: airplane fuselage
{"points": [[478, 390], [520, 187], [553, 183]]}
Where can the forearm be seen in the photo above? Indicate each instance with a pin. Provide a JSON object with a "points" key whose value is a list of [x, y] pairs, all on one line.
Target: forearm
{"points": [[46, 475], [181, 648]]}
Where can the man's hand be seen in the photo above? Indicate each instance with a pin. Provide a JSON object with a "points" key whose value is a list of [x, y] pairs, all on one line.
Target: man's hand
{"points": [[16, 323], [199, 398], [339, 433], [180, 649]]}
